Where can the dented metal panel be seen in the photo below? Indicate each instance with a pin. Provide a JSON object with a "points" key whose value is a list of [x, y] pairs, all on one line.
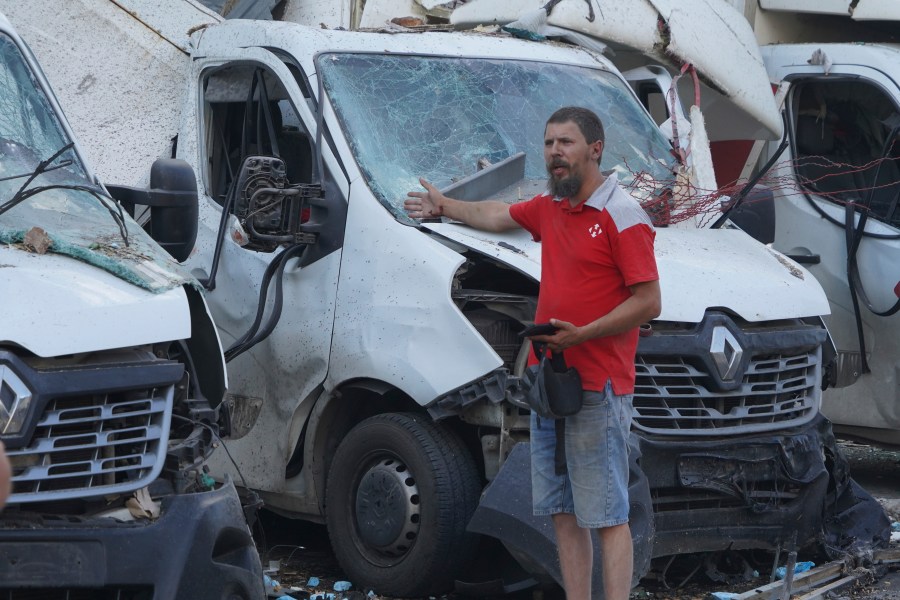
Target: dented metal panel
{"points": [[711, 35], [719, 42]]}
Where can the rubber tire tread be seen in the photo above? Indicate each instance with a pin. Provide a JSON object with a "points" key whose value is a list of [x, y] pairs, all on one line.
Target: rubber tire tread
{"points": [[457, 483]]}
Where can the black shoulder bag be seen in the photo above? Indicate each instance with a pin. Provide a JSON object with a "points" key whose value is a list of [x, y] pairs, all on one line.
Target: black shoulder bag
{"points": [[553, 392]]}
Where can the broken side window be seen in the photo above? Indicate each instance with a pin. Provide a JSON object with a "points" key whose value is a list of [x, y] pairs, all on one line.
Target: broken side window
{"points": [[238, 125], [846, 145]]}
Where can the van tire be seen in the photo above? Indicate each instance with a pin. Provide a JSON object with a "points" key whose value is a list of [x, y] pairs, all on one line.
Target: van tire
{"points": [[401, 490]]}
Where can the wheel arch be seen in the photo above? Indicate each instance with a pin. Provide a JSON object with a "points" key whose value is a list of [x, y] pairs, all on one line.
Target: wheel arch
{"points": [[338, 411], [398, 502]]}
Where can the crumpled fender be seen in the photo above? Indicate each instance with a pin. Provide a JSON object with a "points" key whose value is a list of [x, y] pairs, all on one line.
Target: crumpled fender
{"points": [[854, 522]]}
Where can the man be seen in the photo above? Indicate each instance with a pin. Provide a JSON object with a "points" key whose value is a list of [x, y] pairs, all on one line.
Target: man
{"points": [[599, 283]]}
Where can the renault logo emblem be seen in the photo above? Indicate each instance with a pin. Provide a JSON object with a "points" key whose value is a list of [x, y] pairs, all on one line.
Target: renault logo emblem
{"points": [[14, 400], [726, 352]]}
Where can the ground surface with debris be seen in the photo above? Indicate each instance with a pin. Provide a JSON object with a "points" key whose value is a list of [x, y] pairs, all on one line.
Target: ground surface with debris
{"points": [[298, 553]]}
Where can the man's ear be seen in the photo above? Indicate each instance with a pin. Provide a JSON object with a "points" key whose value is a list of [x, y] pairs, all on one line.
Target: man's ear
{"points": [[597, 150]]}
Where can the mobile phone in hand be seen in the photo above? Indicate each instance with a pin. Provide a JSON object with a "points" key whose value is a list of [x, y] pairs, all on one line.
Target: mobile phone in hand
{"points": [[538, 329]]}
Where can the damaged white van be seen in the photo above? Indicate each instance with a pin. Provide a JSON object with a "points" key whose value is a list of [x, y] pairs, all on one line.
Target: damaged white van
{"points": [[373, 360], [110, 377]]}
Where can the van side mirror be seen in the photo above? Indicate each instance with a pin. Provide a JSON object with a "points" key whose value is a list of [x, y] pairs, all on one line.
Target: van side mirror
{"points": [[174, 205]]}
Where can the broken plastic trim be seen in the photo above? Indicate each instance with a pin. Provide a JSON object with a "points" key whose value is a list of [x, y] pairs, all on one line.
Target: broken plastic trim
{"points": [[493, 388]]}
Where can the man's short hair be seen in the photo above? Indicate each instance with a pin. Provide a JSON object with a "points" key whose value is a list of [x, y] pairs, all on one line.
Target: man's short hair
{"points": [[587, 121]]}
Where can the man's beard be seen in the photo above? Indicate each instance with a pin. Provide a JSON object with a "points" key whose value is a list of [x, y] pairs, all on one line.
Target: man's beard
{"points": [[565, 187]]}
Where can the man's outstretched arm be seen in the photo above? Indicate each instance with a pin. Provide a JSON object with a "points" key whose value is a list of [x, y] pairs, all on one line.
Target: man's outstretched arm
{"points": [[486, 215]]}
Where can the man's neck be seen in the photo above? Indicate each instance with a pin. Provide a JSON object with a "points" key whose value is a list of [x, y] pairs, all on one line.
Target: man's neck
{"points": [[588, 187]]}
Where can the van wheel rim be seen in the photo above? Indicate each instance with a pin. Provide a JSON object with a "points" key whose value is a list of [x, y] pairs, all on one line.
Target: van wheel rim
{"points": [[387, 508]]}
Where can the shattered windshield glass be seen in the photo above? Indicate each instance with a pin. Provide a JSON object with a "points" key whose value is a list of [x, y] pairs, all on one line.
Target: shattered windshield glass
{"points": [[54, 199], [444, 118]]}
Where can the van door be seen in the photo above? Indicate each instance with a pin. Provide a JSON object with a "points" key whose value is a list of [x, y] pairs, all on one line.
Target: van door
{"points": [[253, 104], [838, 212]]}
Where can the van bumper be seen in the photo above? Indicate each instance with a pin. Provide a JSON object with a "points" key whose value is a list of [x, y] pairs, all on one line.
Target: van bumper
{"points": [[199, 547]]}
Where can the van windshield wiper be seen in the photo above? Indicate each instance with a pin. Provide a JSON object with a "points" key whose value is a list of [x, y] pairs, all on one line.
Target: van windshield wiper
{"points": [[24, 192], [64, 163]]}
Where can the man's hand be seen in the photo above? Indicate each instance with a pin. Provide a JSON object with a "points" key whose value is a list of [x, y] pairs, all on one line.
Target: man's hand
{"points": [[424, 205], [568, 335], [489, 215]]}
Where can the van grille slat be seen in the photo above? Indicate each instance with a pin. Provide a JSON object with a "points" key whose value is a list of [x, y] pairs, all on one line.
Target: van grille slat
{"points": [[94, 444], [725, 376]]}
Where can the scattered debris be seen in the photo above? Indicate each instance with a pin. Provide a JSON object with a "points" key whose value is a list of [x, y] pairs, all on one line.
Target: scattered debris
{"points": [[408, 21], [37, 239], [819, 581], [800, 567], [272, 586], [142, 506]]}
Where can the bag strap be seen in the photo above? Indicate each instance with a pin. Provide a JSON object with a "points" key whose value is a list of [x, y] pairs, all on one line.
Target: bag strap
{"points": [[558, 364], [559, 452], [557, 360]]}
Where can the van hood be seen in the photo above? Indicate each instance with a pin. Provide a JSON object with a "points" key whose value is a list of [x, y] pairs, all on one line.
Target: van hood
{"points": [[54, 305], [699, 269], [736, 98]]}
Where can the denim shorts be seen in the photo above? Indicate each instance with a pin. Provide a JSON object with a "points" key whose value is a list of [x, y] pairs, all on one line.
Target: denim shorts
{"points": [[595, 488]]}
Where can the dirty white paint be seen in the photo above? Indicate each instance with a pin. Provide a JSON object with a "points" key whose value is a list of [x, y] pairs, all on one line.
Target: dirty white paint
{"points": [[350, 14], [864, 10], [56, 297], [379, 12], [173, 21], [514, 248], [315, 13], [822, 7], [395, 320], [118, 80], [728, 268], [870, 407], [630, 23], [872, 10]]}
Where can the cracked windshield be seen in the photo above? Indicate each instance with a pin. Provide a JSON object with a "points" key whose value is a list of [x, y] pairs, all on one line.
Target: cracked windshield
{"points": [[443, 119], [53, 202]]}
